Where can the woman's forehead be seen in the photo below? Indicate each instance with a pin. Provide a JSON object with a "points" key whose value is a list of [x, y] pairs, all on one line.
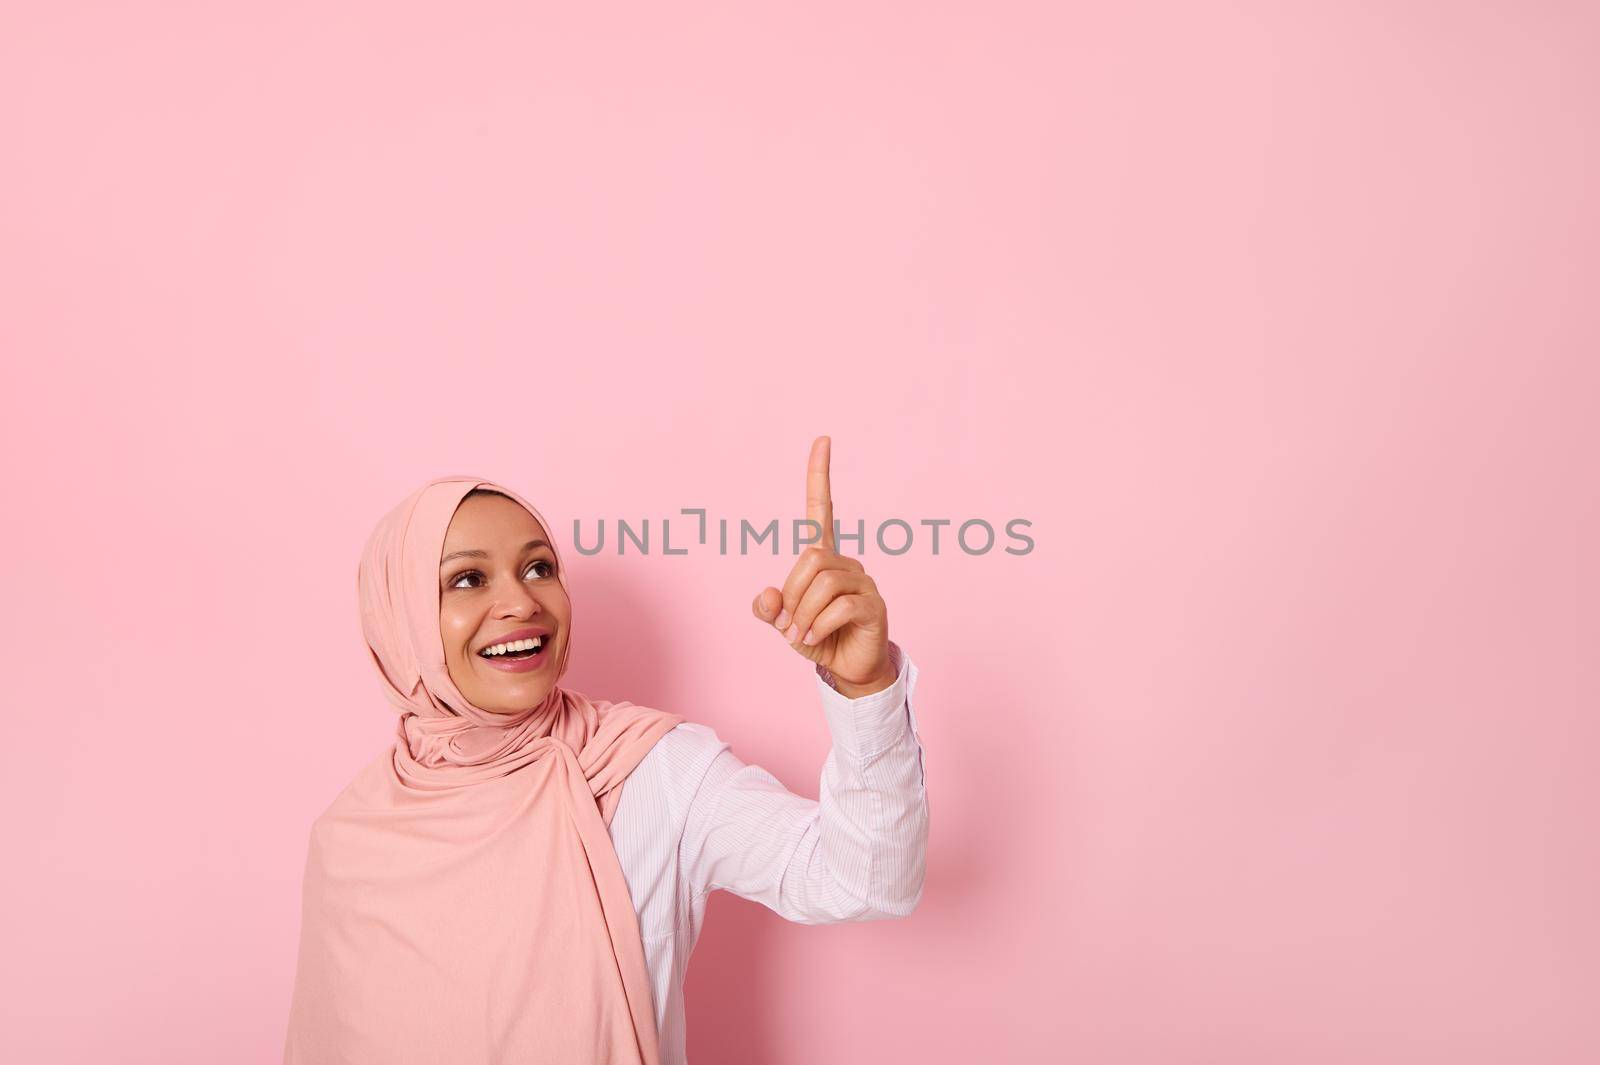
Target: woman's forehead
{"points": [[492, 523]]}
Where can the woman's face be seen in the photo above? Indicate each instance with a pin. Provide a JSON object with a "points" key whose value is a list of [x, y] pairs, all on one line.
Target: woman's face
{"points": [[498, 581]]}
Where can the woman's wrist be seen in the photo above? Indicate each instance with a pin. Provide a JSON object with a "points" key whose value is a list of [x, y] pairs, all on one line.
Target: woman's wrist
{"points": [[887, 676]]}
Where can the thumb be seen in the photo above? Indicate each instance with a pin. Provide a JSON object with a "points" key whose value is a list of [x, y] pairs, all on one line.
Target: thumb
{"points": [[767, 603]]}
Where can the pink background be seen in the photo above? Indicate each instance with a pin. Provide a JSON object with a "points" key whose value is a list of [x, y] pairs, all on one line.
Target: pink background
{"points": [[1277, 321]]}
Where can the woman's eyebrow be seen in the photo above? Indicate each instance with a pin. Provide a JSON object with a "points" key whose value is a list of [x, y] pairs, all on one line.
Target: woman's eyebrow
{"points": [[475, 553]]}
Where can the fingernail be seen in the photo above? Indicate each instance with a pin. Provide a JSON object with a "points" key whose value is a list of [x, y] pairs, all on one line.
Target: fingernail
{"points": [[792, 634], [811, 637], [783, 619]]}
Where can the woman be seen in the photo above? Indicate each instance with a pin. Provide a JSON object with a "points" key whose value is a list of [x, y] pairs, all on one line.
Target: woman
{"points": [[488, 891]]}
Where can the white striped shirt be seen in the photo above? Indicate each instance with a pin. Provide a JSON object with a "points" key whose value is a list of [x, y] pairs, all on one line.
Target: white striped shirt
{"points": [[693, 819]]}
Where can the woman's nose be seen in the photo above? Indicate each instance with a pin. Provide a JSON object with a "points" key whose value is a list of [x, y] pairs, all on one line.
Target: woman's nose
{"points": [[519, 603]]}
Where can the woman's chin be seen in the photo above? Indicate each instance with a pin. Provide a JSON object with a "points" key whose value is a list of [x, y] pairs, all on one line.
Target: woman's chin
{"points": [[502, 691], [510, 697]]}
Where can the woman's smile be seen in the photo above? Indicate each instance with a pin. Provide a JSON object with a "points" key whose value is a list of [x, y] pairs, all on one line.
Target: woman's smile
{"points": [[522, 651]]}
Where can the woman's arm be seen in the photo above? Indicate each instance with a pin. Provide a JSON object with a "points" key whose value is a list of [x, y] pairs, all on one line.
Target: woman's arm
{"points": [[858, 854]]}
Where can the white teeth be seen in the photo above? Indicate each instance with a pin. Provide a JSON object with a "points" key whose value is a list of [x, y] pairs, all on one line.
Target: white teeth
{"points": [[515, 645]]}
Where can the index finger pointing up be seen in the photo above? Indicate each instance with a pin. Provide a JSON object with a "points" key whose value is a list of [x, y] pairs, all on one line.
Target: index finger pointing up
{"points": [[819, 495]]}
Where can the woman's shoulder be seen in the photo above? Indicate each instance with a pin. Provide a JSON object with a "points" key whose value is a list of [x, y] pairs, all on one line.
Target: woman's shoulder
{"points": [[687, 741], [678, 763], [687, 744]]}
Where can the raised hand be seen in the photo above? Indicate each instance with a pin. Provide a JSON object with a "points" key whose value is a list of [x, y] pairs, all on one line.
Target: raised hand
{"points": [[829, 610]]}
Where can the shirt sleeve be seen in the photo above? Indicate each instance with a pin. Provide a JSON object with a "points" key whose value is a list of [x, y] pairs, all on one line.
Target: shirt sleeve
{"points": [[858, 853]]}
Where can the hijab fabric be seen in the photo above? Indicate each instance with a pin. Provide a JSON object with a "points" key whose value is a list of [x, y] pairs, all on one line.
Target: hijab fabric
{"points": [[462, 902]]}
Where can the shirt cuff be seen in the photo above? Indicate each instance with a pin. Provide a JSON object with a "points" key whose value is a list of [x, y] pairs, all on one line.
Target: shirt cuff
{"points": [[867, 726]]}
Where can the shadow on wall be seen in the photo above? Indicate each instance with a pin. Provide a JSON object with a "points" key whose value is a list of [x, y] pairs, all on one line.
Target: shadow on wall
{"points": [[730, 987]]}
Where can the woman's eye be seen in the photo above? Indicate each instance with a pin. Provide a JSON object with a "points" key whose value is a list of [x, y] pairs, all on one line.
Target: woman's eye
{"points": [[550, 568]]}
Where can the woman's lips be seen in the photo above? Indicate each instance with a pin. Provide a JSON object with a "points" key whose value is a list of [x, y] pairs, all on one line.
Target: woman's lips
{"points": [[518, 665]]}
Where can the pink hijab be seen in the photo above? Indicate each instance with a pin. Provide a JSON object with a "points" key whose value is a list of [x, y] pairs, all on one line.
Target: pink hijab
{"points": [[462, 902]]}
